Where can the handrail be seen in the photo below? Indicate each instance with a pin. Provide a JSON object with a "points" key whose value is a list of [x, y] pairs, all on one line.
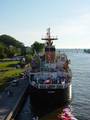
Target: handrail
{"points": [[52, 86]]}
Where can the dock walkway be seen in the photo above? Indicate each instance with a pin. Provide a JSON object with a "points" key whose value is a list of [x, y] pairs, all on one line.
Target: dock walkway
{"points": [[11, 99]]}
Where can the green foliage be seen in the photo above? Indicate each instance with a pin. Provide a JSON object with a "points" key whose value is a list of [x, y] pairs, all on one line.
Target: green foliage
{"points": [[7, 75], [87, 50], [2, 50], [28, 58], [29, 51], [33, 51], [10, 74], [23, 50], [8, 64], [38, 47], [9, 47], [37, 59], [8, 40], [7, 71]]}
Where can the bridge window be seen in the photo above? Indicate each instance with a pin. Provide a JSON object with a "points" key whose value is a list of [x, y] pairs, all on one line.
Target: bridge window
{"points": [[49, 49]]}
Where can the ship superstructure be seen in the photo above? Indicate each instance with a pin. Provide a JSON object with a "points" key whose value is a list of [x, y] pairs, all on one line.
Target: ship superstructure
{"points": [[50, 80]]}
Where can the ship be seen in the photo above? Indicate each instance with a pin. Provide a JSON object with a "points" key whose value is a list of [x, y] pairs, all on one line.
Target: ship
{"points": [[50, 78]]}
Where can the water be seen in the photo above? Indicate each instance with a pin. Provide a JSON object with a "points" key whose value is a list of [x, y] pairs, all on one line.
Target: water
{"points": [[80, 65], [81, 85]]}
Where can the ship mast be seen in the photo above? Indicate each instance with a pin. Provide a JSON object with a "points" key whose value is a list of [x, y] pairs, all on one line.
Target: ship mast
{"points": [[48, 38], [49, 48]]}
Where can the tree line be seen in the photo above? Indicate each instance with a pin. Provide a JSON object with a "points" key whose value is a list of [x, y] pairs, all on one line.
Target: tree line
{"points": [[10, 47], [87, 50]]}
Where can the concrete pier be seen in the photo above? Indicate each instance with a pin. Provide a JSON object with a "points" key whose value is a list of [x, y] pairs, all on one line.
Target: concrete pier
{"points": [[12, 98]]}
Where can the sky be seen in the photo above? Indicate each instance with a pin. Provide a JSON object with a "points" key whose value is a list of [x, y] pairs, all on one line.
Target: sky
{"points": [[28, 20]]}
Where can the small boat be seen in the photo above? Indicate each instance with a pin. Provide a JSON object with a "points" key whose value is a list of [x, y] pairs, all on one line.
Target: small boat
{"points": [[66, 114]]}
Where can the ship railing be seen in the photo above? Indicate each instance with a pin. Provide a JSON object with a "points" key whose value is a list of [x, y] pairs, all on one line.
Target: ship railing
{"points": [[52, 86]]}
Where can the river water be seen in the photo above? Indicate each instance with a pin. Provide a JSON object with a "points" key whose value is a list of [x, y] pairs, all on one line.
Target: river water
{"points": [[80, 65], [81, 85]]}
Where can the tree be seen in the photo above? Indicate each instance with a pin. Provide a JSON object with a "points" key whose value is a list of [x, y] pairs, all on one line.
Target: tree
{"points": [[8, 40], [38, 47], [87, 50], [12, 46], [2, 51]]}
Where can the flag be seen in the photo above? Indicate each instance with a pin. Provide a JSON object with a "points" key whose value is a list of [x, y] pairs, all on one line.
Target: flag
{"points": [[48, 81]]}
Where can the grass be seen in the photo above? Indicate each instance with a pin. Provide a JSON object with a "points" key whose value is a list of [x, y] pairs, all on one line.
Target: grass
{"points": [[8, 64], [8, 71]]}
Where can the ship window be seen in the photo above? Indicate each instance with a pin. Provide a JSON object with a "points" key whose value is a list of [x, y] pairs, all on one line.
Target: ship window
{"points": [[49, 49]]}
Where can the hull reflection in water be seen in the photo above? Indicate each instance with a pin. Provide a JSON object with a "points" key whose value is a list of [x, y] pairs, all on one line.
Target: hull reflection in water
{"points": [[47, 100]]}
